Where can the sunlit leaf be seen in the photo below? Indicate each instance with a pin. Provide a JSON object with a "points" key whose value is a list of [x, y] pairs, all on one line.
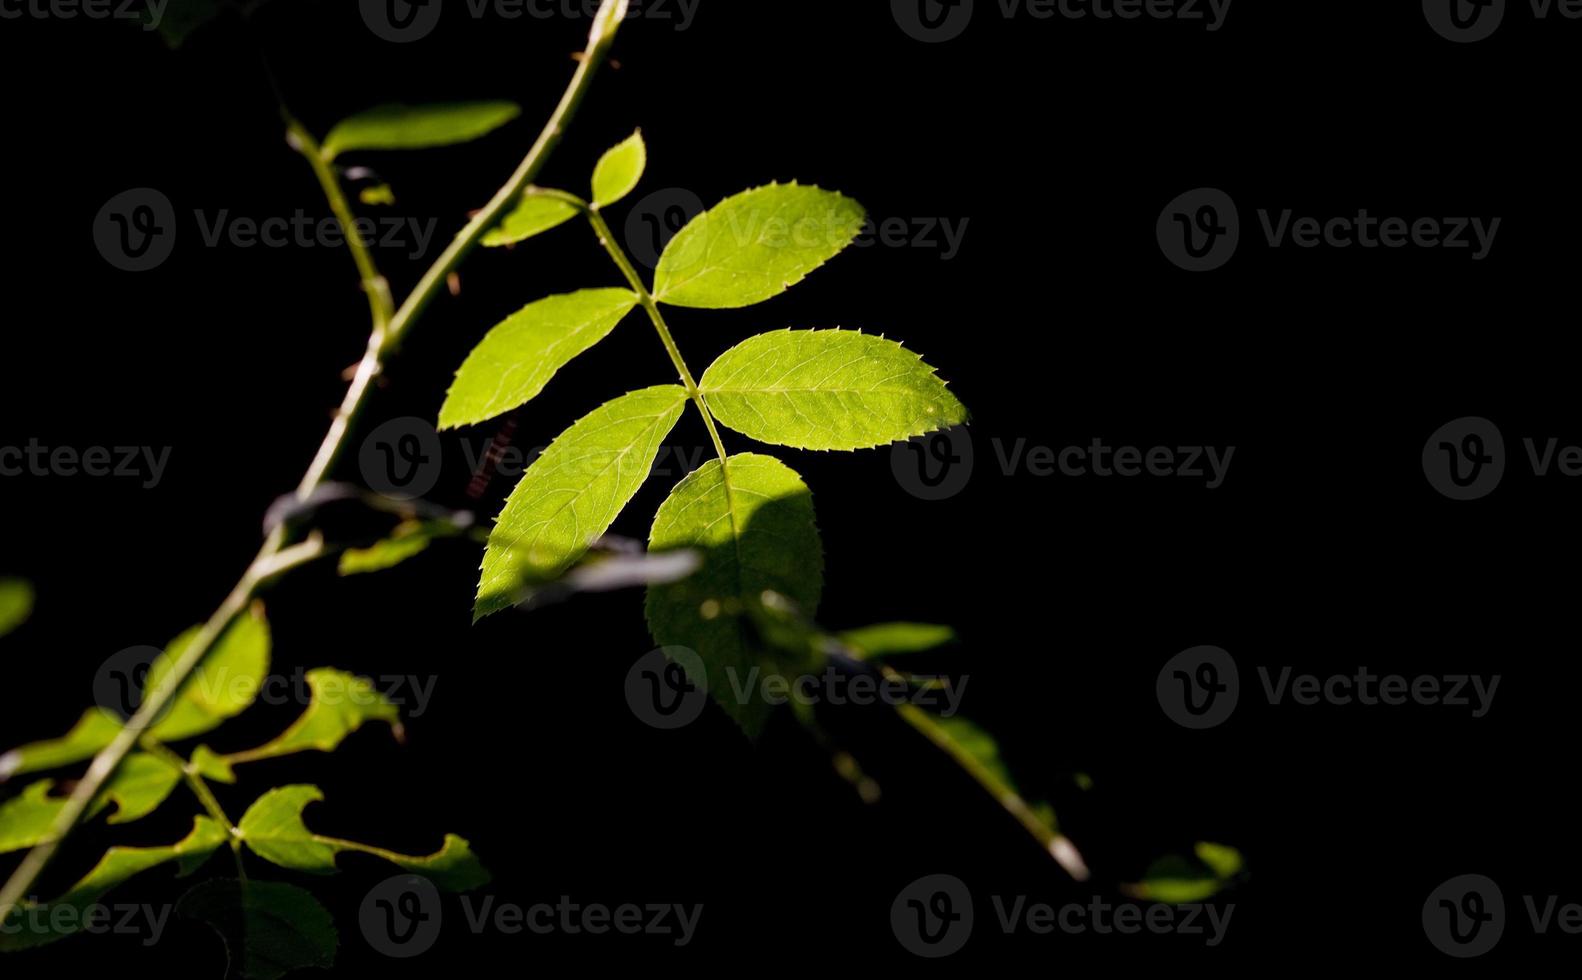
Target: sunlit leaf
{"points": [[407, 127], [408, 541], [828, 389], [269, 928], [755, 246], [39, 924], [143, 782], [533, 215], [16, 604], [753, 524], [1180, 880], [273, 829], [890, 639], [516, 359], [225, 684], [572, 493], [93, 731], [619, 171]]}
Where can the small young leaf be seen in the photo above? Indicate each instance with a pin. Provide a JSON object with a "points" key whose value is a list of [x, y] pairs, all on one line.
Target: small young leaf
{"points": [[753, 523], [269, 928], [619, 171], [341, 704], [142, 784], [828, 389], [16, 604], [273, 829], [403, 127], [223, 687], [755, 246], [573, 493], [517, 358], [533, 215], [1179, 880], [891, 639], [36, 925], [408, 541], [93, 731]]}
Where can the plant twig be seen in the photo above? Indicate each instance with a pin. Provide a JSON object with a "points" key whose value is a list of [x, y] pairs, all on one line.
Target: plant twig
{"points": [[200, 789]]}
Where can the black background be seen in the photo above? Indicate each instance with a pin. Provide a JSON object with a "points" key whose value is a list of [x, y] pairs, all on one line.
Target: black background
{"points": [[1059, 321]]}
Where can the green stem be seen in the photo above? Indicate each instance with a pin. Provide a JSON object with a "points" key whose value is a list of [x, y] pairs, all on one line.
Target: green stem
{"points": [[200, 789], [651, 307], [275, 557]]}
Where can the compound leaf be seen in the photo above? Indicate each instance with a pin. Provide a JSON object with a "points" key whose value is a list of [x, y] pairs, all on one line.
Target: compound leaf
{"points": [[269, 928], [273, 829], [755, 246], [407, 127], [516, 359], [620, 170], [533, 215], [34, 925], [572, 493], [828, 389], [752, 521]]}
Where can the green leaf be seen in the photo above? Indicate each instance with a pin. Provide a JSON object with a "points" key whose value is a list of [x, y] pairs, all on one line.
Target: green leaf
{"points": [[223, 687], [273, 829], [180, 18], [1179, 880], [619, 171], [890, 639], [142, 784], [40, 924], [753, 522], [409, 540], [341, 704], [517, 358], [16, 604], [828, 389], [405, 127], [533, 215], [93, 731], [572, 493], [269, 928], [755, 246]]}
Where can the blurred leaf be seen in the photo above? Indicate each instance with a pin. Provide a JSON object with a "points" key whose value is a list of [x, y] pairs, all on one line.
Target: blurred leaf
{"points": [[93, 731], [38, 925], [178, 19], [891, 639], [753, 524], [16, 604], [755, 246], [533, 215], [408, 541], [269, 928], [273, 829], [516, 359], [1177, 880], [224, 686], [572, 493], [828, 389], [143, 782], [619, 171], [406, 127], [341, 704], [379, 195]]}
